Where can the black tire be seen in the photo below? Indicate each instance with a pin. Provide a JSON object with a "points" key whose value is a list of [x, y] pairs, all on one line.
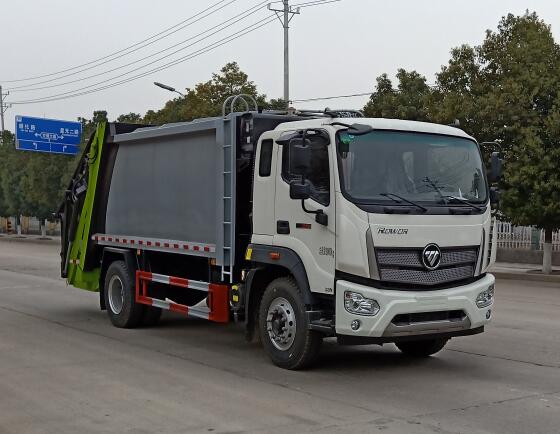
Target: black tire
{"points": [[423, 348], [151, 316], [302, 345], [130, 313]]}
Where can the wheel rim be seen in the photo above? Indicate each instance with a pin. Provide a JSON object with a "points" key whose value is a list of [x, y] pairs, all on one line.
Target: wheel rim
{"points": [[281, 323], [116, 294]]}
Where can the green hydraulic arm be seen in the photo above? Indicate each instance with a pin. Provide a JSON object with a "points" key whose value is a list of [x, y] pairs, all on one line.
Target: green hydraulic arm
{"points": [[77, 243]]}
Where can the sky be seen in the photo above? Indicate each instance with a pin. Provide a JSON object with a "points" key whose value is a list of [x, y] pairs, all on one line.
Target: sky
{"points": [[335, 49]]}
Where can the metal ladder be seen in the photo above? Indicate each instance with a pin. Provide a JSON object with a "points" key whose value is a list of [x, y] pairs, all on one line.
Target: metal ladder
{"points": [[228, 205], [229, 159]]}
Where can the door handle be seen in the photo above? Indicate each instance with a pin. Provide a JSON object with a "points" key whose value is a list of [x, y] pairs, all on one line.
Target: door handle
{"points": [[283, 227]]}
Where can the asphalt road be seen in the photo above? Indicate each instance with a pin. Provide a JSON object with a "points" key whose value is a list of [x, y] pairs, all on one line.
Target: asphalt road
{"points": [[65, 369]]}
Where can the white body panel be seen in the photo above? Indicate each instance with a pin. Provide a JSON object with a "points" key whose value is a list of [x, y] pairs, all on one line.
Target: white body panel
{"points": [[444, 230], [351, 249]]}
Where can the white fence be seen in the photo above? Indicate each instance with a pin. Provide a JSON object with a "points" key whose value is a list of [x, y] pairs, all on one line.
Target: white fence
{"points": [[524, 237]]}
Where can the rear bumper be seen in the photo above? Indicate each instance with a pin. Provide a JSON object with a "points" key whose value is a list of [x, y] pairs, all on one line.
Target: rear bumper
{"points": [[382, 327]]}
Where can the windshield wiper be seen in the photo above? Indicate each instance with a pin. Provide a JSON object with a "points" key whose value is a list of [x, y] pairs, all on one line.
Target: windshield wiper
{"points": [[403, 200], [434, 186], [465, 201]]}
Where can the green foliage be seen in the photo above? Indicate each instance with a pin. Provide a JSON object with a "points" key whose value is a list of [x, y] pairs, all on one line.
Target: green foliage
{"points": [[206, 99], [29, 182], [410, 100], [12, 176], [523, 62], [130, 118]]}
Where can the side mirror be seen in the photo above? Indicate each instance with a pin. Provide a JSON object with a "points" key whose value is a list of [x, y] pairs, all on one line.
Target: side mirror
{"points": [[494, 196], [495, 168], [300, 190], [359, 129], [300, 156]]}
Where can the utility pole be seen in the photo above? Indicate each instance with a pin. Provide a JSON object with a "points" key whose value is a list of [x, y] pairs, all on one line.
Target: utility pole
{"points": [[3, 108], [285, 15]]}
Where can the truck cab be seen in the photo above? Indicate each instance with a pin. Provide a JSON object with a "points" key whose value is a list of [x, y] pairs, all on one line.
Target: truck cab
{"points": [[390, 224]]}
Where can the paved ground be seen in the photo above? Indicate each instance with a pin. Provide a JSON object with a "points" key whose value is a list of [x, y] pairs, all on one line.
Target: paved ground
{"points": [[65, 369]]}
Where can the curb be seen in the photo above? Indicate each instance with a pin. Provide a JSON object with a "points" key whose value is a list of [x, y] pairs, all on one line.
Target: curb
{"points": [[526, 276]]}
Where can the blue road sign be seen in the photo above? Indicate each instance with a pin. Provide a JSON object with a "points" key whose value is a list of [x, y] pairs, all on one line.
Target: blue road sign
{"points": [[48, 135]]}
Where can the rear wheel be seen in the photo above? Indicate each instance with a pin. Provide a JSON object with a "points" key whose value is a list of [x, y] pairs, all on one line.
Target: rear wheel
{"points": [[284, 327], [423, 348], [120, 297]]}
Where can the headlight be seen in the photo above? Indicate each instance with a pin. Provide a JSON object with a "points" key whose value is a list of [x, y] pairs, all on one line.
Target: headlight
{"points": [[354, 302], [485, 298]]}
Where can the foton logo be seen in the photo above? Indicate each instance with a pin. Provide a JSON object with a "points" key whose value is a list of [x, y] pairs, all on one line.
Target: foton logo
{"points": [[431, 256], [392, 231]]}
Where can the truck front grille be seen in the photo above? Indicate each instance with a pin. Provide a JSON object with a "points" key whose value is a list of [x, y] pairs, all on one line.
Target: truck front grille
{"points": [[404, 266]]}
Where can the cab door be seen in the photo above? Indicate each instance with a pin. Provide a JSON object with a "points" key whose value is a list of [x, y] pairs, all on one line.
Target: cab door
{"points": [[297, 229]]}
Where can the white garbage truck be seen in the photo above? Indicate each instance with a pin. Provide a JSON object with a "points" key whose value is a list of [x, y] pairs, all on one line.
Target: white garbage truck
{"points": [[304, 226]]}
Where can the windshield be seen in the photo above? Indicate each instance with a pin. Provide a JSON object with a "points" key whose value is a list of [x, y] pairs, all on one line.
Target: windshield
{"points": [[424, 168]]}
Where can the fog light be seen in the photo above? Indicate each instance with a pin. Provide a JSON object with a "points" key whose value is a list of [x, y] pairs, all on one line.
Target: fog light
{"points": [[356, 303], [355, 325], [485, 298]]}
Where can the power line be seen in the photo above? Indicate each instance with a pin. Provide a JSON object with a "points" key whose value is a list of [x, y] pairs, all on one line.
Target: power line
{"points": [[219, 43], [352, 95], [129, 47], [308, 3], [136, 69], [222, 26], [314, 3], [87, 89], [323, 98]]}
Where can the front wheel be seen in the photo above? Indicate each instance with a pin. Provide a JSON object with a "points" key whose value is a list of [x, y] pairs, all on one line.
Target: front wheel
{"points": [[423, 348], [284, 327]]}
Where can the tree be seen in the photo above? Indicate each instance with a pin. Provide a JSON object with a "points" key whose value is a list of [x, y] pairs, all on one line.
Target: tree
{"points": [[410, 100], [274, 104], [206, 99], [130, 118], [459, 89], [507, 90], [41, 185], [523, 61], [13, 177], [6, 141]]}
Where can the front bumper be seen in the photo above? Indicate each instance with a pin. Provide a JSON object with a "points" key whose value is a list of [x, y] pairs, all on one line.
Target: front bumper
{"points": [[393, 303]]}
